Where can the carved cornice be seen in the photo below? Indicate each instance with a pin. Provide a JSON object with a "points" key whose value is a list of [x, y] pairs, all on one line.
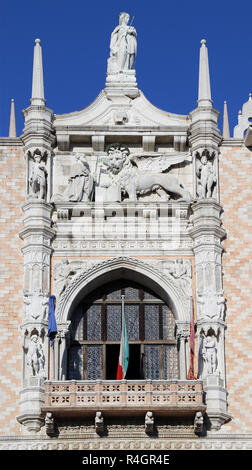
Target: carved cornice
{"points": [[217, 442]]}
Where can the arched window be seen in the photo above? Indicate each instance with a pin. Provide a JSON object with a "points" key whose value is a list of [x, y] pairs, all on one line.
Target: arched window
{"points": [[96, 332]]}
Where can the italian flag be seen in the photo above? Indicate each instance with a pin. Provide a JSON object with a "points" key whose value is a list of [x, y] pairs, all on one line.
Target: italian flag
{"points": [[191, 375], [124, 349]]}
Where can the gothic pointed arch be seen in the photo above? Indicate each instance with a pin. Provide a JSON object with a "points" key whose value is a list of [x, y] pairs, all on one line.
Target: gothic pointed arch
{"points": [[125, 268]]}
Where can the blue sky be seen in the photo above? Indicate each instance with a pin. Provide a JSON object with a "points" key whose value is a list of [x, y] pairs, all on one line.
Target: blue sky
{"points": [[75, 42]]}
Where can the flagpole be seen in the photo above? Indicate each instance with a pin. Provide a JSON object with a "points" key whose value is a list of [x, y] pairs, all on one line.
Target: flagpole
{"points": [[52, 331], [123, 320], [123, 297], [191, 374]]}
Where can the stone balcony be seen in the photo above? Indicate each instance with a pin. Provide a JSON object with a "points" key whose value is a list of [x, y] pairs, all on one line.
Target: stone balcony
{"points": [[113, 398]]}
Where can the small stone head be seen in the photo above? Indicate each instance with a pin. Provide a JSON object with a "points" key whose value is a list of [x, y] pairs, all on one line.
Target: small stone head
{"points": [[37, 156], [34, 338], [203, 160], [124, 18]]}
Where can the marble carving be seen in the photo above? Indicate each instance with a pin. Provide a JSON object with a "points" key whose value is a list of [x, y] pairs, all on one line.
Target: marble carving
{"points": [[209, 353], [124, 175], [35, 356], [80, 182], [63, 274], [37, 179], [206, 177], [123, 46]]}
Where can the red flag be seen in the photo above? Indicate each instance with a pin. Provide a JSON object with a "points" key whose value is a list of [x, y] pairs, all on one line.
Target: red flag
{"points": [[124, 349], [190, 375]]}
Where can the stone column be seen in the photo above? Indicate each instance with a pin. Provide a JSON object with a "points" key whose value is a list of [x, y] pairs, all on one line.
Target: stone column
{"points": [[38, 139], [37, 235], [183, 335], [207, 234]]}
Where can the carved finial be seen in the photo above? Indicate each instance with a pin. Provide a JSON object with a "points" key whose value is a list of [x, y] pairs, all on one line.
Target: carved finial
{"points": [[37, 78], [204, 93], [250, 96], [12, 128], [225, 131]]}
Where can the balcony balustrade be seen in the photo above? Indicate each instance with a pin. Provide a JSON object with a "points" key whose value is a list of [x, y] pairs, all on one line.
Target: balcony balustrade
{"points": [[164, 398]]}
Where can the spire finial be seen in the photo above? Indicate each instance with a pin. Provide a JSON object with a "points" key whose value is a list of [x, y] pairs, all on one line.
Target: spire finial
{"points": [[225, 130], [37, 78], [12, 127], [204, 94]]}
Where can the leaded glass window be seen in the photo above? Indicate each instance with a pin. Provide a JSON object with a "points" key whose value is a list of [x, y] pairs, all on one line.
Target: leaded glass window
{"points": [[96, 332]]}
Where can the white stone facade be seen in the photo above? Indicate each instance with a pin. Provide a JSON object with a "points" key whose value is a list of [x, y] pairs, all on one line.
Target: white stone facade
{"points": [[124, 191]]}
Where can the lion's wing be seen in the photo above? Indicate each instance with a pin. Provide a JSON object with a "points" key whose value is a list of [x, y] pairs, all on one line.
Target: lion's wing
{"points": [[156, 162]]}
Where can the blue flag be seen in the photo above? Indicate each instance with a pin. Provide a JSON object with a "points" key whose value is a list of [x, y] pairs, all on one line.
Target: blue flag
{"points": [[52, 326]]}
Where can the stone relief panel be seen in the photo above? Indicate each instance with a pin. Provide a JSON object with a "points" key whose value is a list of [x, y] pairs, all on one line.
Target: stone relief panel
{"points": [[211, 303], [36, 284], [119, 175], [80, 182], [64, 271]]}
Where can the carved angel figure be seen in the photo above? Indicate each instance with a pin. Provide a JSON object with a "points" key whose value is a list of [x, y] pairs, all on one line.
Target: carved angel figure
{"points": [[181, 270], [139, 174], [63, 274], [37, 180]]}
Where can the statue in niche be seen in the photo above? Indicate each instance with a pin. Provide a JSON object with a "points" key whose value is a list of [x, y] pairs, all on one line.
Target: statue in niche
{"points": [[35, 357], [209, 353], [80, 182], [37, 180], [123, 46], [134, 177], [63, 274], [206, 177]]}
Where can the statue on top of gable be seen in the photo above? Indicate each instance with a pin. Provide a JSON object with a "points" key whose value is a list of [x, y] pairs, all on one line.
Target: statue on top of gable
{"points": [[123, 45]]}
